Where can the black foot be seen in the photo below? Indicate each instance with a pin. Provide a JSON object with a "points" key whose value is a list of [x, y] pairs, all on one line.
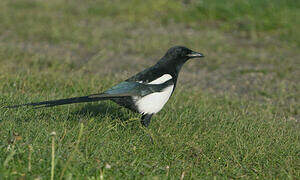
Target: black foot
{"points": [[145, 122], [151, 139]]}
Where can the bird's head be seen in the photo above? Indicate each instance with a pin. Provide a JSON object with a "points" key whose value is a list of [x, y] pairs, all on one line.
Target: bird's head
{"points": [[180, 54]]}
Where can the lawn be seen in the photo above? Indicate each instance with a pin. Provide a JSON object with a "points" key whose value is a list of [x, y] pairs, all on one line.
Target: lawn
{"points": [[234, 114]]}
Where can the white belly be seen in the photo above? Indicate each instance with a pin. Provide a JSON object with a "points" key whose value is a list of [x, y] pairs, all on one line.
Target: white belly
{"points": [[154, 102]]}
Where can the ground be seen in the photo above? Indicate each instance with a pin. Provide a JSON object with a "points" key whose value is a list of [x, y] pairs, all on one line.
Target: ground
{"points": [[234, 114]]}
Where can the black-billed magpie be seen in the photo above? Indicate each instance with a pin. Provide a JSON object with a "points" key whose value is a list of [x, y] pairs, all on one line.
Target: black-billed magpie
{"points": [[145, 93]]}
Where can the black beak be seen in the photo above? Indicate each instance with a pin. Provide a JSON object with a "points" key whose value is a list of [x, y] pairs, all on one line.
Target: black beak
{"points": [[195, 55]]}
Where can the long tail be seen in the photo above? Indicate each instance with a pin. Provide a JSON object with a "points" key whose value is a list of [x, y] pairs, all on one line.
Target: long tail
{"points": [[58, 102]]}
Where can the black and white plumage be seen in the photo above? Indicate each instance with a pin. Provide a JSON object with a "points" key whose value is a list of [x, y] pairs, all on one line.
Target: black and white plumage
{"points": [[145, 93]]}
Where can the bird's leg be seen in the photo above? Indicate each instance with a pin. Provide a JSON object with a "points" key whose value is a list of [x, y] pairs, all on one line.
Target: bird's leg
{"points": [[146, 119], [145, 122]]}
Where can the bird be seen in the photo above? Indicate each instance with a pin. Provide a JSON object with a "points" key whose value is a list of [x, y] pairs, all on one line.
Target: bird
{"points": [[145, 93]]}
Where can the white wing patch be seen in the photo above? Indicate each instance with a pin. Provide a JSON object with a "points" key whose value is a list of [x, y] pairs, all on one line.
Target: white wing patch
{"points": [[154, 102], [161, 79]]}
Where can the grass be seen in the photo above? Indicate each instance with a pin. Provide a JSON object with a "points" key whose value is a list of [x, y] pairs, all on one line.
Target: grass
{"points": [[234, 114]]}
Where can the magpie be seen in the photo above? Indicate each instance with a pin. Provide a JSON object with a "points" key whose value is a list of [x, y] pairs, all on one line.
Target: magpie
{"points": [[145, 93]]}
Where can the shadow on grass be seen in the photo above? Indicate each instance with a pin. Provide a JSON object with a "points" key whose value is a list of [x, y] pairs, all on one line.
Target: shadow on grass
{"points": [[104, 109]]}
